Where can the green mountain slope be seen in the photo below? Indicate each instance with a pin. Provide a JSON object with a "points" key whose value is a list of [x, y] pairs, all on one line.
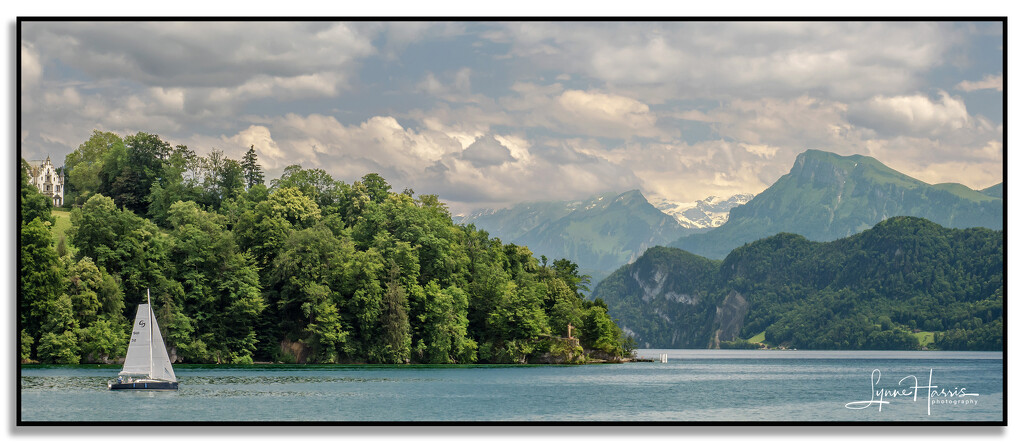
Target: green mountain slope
{"points": [[826, 196], [995, 190], [871, 290]]}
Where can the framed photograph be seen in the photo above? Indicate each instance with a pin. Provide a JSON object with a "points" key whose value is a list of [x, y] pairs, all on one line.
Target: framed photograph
{"points": [[634, 220]]}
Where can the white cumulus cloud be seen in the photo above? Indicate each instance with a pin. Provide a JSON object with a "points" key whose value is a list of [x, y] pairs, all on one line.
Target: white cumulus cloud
{"points": [[268, 154], [596, 113], [989, 82], [912, 115]]}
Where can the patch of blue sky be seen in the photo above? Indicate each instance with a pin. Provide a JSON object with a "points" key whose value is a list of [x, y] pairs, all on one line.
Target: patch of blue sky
{"points": [[980, 56]]}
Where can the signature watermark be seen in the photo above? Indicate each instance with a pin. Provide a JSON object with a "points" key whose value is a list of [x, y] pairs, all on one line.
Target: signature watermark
{"points": [[909, 388]]}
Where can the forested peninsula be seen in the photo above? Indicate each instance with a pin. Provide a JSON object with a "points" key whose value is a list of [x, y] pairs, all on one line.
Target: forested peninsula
{"points": [[305, 269]]}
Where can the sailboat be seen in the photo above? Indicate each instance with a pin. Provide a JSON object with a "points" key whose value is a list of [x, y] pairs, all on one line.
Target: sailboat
{"points": [[146, 367]]}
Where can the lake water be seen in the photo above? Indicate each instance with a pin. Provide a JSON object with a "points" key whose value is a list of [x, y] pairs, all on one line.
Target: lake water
{"points": [[695, 385]]}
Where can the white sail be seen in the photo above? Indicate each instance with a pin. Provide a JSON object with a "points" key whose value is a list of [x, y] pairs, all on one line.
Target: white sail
{"points": [[147, 355], [139, 360], [161, 363]]}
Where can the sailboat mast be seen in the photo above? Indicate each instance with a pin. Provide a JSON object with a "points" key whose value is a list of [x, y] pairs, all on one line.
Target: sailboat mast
{"points": [[151, 325]]}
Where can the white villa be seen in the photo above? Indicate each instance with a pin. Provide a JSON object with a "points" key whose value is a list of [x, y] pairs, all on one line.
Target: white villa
{"points": [[44, 176]]}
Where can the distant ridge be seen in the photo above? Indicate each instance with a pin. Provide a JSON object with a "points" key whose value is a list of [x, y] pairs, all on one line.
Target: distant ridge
{"points": [[995, 190]]}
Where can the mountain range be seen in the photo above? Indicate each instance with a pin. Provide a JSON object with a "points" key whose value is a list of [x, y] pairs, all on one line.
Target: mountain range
{"points": [[826, 196], [599, 234], [602, 232]]}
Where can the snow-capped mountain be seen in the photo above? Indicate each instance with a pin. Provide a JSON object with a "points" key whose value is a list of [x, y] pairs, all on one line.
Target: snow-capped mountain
{"points": [[702, 214]]}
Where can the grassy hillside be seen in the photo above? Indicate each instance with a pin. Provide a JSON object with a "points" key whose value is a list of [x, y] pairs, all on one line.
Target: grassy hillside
{"points": [[59, 230]]}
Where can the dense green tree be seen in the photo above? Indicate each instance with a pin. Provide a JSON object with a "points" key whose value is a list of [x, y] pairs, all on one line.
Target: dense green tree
{"points": [[366, 305], [117, 179], [59, 348], [41, 278], [83, 166], [310, 282], [94, 293], [178, 181], [128, 246], [128, 175], [316, 184], [326, 333], [263, 231], [376, 187], [182, 338], [569, 272], [395, 341], [59, 342], [444, 326], [103, 341], [486, 279], [95, 230], [516, 324], [148, 153], [599, 332], [565, 307], [222, 179], [25, 351], [221, 297]]}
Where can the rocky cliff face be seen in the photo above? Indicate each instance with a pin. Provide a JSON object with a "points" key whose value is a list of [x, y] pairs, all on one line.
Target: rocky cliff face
{"points": [[729, 315], [662, 299]]}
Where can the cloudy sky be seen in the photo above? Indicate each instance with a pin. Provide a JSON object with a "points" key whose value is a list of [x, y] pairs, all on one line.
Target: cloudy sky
{"points": [[485, 114]]}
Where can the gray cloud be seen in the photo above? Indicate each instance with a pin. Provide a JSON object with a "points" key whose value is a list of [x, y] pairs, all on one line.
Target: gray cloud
{"points": [[487, 151], [848, 60], [199, 54]]}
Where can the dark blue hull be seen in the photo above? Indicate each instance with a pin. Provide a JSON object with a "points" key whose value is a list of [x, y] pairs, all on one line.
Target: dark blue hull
{"points": [[145, 386]]}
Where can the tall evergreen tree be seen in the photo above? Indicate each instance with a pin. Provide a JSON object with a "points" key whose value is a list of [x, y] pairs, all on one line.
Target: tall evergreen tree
{"points": [[251, 170]]}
